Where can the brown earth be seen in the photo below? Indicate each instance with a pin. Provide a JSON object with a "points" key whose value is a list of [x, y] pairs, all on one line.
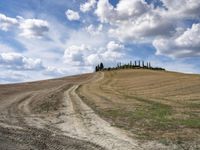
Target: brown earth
{"points": [[151, 105], [67, 113], [26, 111]]}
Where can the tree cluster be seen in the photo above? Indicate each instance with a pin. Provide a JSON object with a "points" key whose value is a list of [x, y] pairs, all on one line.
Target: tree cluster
{"points": [[99, 67], [131, 65]]}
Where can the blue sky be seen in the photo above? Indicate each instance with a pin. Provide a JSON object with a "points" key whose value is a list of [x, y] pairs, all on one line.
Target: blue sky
{"points": [[42, 39]]}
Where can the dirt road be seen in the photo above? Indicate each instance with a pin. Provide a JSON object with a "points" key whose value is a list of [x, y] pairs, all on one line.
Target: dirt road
{"points": [[71, 124], [22, 128], [81, 122]]}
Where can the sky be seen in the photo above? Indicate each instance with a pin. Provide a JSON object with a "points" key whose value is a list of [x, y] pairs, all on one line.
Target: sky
{"points": [[43, 39]]}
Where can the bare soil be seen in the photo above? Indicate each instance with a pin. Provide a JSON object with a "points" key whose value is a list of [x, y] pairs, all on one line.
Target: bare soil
{"points": [[151, 105], [26, 114], [97, 111]]}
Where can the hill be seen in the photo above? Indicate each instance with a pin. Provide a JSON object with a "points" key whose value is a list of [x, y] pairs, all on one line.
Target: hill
{"points": [[141, 109], [154, 105]]}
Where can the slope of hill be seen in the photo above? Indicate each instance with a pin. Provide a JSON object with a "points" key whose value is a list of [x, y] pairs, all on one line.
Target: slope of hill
{"points": [[29, 116], [141, 109], [156, 105]]}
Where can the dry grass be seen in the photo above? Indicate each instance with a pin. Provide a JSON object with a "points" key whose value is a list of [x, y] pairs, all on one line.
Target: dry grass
{"points": [[151, 104]]}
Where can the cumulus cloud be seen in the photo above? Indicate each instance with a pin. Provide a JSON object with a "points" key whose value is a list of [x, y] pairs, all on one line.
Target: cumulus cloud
{"points": [[93, 59], [132, 20], [105, 11], [110, 53], [72, 15], [74, 55], [91, 29], [113, 51], [138, 20], [32, 28], [87, 6], [183, 44], [16, 61], [124, 11], [142, 22], [113, 46], [183, 9], [7, 22]]}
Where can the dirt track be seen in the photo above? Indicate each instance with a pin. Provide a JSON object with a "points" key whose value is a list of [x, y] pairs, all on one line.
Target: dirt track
{"points": [[83, 123], [23, 128], [70, 125]]}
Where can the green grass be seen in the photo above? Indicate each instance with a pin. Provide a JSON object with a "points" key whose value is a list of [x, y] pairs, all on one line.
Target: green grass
{"points": [[192, 122], [151, 116]]}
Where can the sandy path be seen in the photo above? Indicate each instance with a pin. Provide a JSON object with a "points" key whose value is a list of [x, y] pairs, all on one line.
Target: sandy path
{"points": [[81, 122], [22, 129]]}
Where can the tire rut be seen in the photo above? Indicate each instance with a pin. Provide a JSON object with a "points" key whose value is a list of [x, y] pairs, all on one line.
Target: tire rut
{"points": [[81, 122], [22, 129]]}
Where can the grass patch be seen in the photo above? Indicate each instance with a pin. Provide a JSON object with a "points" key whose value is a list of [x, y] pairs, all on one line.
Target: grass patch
{"points": [[192, 122]]}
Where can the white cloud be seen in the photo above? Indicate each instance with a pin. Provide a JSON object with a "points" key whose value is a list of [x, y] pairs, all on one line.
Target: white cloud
{"points": [[87, 6], [184, 44], [137, 20], [91, 29], [93, 59], [113, 46], [72, 15], [134, 20], [113, 51], [190, 38], [54, 72], [32, 28], [74, 55], [108, 54], [84, 55], [183, 9], [124, 11], [7, 22], [16, 61], [105, 11], [126, 8]]}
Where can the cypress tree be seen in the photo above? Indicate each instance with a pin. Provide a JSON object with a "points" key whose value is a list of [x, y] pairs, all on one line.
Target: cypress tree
{"points": [[101, 66], [130, 64], [96, 69]]}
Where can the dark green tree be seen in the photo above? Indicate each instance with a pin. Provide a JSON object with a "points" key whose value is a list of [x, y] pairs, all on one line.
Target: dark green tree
{"points": [[96, 68], [101, 67]]}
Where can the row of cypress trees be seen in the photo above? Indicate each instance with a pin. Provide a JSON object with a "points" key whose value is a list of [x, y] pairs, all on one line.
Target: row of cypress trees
{"points": [[135, 64], [131, 65]]}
